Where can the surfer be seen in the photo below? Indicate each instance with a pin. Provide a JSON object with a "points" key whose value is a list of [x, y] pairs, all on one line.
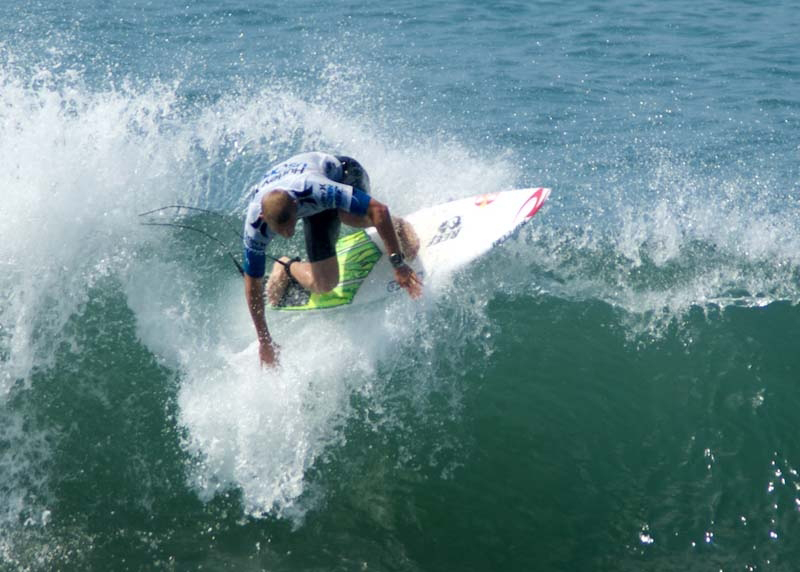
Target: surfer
{"points": [[323, 190]]}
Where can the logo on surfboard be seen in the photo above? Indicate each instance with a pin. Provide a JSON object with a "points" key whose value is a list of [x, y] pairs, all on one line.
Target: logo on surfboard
{"points": [[448, 230], [487, 199], [534, 202]]}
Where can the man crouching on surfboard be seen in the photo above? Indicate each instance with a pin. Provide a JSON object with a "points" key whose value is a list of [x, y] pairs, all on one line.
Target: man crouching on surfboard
{"points": [[323, 190]]}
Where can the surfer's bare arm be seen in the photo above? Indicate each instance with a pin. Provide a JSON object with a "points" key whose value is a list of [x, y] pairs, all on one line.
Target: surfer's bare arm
{"points": [[378, 215], [254, 294]]}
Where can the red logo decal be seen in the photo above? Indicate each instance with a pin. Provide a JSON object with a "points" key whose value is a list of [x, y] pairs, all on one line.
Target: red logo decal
{"points": [[536, 199], [487, 199]]}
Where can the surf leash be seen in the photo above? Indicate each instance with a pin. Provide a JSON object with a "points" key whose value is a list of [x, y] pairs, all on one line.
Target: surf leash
{"points": [[178, 207], [210, 236], [204, 233]]}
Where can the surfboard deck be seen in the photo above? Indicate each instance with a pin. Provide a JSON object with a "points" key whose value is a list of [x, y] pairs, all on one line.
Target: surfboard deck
{"points": [[451, 235]]}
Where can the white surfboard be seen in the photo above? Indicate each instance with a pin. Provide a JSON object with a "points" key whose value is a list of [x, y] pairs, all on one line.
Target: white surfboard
{"points": [[451, 235]]}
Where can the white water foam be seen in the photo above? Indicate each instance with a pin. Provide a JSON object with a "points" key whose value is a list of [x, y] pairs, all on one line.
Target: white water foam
{"points": [[78, 164], [692, 240], [260, 431]]}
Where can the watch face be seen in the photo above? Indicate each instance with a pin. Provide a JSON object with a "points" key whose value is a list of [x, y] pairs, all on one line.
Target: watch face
{"points": [[396, 259]]}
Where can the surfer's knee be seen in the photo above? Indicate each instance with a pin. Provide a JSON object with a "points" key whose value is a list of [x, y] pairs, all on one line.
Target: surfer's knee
{"points": [[409, 241]]}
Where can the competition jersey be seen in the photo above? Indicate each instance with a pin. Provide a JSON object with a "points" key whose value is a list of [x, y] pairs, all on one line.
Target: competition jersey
{"points": [[310, 178]]}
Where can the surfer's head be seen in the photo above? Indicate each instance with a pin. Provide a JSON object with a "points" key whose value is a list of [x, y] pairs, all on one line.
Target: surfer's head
{"points": [[279, 211]]}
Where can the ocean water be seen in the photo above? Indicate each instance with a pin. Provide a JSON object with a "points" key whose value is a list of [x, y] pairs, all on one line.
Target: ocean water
{"points": [[615, 389]]}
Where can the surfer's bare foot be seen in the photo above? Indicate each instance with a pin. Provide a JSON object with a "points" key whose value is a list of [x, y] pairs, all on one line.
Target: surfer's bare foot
{"points": [[409, 241], [278, 282]]}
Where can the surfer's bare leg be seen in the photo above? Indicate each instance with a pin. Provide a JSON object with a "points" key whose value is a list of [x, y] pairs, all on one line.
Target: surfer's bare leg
{"points": [[322, 276], [409, 241]]}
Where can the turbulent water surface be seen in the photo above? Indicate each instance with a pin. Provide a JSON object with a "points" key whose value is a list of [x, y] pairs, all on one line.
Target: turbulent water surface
{"points": [[614, 389]]}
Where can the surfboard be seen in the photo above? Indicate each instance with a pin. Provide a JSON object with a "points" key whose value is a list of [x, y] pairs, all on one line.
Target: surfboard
{"points": [[451, 235]]}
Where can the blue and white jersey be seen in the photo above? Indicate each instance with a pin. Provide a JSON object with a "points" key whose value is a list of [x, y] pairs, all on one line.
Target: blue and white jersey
{"points": [[311, 179]]}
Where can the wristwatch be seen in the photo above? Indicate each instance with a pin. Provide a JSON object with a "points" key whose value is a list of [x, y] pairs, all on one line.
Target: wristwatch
{"points": [[396, 259]]}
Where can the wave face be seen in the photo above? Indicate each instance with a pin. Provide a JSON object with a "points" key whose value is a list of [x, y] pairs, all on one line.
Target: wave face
{"points": [[615, 388]]}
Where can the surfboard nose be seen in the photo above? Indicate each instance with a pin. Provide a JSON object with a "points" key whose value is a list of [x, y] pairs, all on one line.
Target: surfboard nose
{"points": [[533, 203]]}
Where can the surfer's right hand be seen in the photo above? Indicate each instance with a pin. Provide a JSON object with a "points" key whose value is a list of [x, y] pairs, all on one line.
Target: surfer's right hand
{"points": [[268, 352], [408, 280]]}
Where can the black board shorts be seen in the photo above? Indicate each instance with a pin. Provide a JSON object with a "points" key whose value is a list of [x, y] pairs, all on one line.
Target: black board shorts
{"points": [[322, 232], [322, 229]]}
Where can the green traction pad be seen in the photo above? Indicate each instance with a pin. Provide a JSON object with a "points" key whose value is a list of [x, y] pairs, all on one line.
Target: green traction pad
{"points": [[357, 256]]}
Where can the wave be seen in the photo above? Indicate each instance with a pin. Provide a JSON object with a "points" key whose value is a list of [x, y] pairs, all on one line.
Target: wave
{"points": [[721, 246], [666, 249], [79, 164]]}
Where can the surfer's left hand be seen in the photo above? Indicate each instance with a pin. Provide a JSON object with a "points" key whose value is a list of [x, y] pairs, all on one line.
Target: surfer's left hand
{"points": [[408, 280], [268, 352]]}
